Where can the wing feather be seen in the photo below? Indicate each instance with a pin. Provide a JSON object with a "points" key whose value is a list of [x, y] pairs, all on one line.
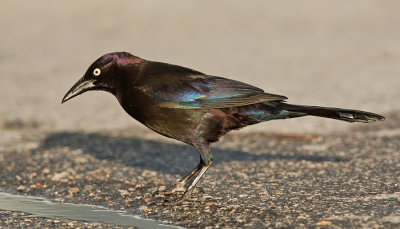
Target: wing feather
{"points": [[188, 89]]}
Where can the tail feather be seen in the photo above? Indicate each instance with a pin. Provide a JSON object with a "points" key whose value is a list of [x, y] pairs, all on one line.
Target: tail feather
{"points": [[334, 113]]}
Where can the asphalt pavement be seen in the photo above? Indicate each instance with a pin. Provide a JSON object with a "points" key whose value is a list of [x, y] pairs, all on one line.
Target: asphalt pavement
{"points": [[342, 179]]}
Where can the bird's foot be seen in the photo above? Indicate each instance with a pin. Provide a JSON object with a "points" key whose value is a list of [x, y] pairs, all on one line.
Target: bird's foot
{"points": [[178, 200], [186, 196], [177, 188]]}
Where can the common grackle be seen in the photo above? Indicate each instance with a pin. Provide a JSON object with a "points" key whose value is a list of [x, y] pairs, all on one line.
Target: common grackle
{"points": [[191, 106]]}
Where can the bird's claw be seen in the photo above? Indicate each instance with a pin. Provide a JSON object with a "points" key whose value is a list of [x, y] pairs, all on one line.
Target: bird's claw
{"points": [[177, 188], [186, 197], [178, 200]]}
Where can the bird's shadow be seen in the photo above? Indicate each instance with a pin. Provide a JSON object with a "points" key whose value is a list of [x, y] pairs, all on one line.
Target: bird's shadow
{"points": [[157, 155]]}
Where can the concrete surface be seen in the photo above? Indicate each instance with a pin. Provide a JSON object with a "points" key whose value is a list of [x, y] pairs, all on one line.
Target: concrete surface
{"points": [[300, 172]]}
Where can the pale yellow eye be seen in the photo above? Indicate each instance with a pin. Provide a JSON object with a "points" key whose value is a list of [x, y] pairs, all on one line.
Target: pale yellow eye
{"points": [[97, 72]]}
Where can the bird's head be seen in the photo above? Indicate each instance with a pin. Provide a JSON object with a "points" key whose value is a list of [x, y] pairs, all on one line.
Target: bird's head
{"points": [[105, 74]]}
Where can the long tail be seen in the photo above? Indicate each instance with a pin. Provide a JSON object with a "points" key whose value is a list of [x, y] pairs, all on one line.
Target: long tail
{"points": [[334, 113]]}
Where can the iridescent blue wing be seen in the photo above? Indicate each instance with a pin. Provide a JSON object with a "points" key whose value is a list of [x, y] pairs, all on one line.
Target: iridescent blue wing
{"points": [[172, 86], [221, 92], [202, 91]]}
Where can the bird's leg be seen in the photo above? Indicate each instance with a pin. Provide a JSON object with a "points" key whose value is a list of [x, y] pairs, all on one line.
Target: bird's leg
{"points": [[206, 160], [180, 185], [185, 179]]}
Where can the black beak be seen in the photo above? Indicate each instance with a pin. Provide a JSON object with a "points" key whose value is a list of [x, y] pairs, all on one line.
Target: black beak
{"points": [[79, 87]]}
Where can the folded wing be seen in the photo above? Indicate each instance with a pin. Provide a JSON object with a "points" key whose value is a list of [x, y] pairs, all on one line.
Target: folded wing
{"points": [[206, 92]]}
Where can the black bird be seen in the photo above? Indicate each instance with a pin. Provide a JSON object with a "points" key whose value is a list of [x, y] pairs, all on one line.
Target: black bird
{"points": [[191, 106]]}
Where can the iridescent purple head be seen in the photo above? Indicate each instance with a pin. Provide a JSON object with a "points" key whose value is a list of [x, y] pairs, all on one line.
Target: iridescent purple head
{"points": [[119, 58], [105, 73]]}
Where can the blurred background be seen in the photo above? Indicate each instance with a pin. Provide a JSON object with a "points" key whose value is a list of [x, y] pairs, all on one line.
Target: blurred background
{"points": [[316, 52]]}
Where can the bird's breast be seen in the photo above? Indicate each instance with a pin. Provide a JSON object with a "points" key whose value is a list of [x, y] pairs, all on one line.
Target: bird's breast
{"points": [[175, 123]]}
